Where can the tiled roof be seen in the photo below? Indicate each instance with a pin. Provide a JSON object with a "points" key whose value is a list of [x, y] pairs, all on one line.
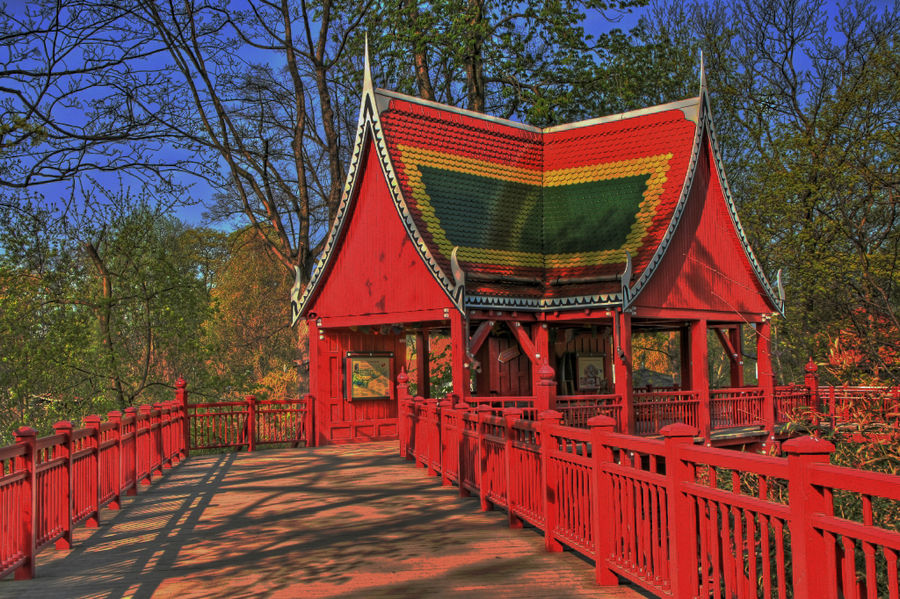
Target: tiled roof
{"points": [[539, 215]]}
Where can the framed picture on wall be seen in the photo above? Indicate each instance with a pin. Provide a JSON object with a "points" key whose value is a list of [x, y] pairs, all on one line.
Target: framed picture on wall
{"points": [[589, 372], [368, 375]]}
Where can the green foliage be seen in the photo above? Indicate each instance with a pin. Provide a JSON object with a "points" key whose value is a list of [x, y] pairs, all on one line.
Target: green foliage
{"points": [[805, 107]]}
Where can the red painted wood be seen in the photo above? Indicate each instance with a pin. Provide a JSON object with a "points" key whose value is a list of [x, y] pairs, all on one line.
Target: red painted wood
{"points": [[459, 363], [700, 373], [622, 369], [340, 420], [49, 484], [376, 269], [660, 515], [765, 374], [705, 267]]}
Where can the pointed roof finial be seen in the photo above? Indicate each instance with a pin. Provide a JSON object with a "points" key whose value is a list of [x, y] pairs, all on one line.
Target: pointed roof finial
{"points": [[702, 73], [367, 68]]}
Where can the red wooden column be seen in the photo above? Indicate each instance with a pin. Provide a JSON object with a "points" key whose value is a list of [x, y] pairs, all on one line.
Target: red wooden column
{"points": [[685, 350], [545, 388], [315, 390], [764, 373], [700, 373], [459, 365], [737, 358], [423, 360], [622, 380]]}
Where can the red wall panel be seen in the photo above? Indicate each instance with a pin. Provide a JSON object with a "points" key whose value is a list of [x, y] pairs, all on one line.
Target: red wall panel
{"points": [[377, 269], [340, 420], [705, 267]]}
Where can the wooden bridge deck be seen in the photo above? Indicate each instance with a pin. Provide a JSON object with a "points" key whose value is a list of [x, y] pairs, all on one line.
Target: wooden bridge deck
{"points": [[345, 521]]}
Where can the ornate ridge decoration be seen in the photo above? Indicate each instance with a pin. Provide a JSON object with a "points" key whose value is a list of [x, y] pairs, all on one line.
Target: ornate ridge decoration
{"points": [[490, 302], [704, 126], [369, 129], [732, 211]]}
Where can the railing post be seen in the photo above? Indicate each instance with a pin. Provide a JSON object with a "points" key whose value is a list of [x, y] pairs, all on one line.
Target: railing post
{"points": [[165, 433], [143, 453], [433, 435], [811, 380], [806, 500], [132, 412], [251, 422], [402, 408], [545, 394], [445, 410], [64, 450], [115, 417], [309, 407], [548, 420], [460, 411], [181, 396], [417, 420], [682, 531], [158, 443], [483, 411], [603, 498], [510, 417], [27, 436], [93, 422]]}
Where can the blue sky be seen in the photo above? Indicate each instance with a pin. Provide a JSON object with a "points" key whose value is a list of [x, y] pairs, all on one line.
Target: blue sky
{"points": [[594, 24]]}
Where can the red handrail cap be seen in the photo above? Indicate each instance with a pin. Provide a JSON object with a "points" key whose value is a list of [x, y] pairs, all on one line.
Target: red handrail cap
{"points": [[807, 446], [601, 420], [550, 415], [679, 429]]}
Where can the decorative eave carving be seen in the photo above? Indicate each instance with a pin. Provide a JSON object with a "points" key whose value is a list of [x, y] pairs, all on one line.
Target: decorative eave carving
{"points": [[369, 130]]}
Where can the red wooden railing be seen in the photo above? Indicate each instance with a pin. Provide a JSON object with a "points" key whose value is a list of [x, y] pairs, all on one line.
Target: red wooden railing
{"points": [[789, 400], [879, 402], [677, 519], [247, 423], [656, 409], [740, 406], [576, 410], [48, 485]]}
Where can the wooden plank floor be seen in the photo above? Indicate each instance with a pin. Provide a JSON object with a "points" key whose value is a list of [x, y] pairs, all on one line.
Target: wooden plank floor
{"points": [[347, 521]]}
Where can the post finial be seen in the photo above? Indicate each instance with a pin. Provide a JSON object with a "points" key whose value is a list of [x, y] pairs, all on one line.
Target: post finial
{"points": [[811, 366]]}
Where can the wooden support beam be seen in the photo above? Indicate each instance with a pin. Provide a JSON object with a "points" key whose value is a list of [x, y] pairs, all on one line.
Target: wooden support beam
{"points": [[765, 376], [737, 364], [700, 374], [622, 371], [481, 333], [459, 367], [525, 342], [685, 347], [726, 342]]}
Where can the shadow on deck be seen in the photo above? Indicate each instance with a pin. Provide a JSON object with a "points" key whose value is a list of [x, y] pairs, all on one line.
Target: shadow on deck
{"points": [[327, 522]]}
